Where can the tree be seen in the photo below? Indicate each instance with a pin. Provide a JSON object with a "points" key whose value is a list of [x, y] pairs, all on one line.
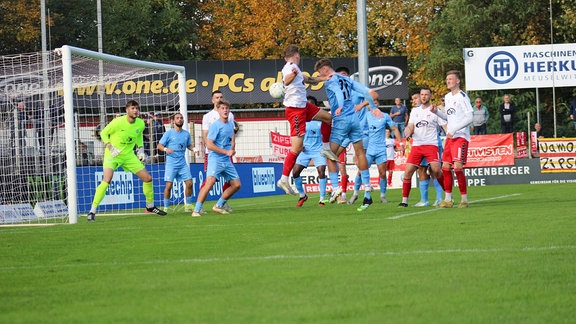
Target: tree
{"points": [[19, 26]]}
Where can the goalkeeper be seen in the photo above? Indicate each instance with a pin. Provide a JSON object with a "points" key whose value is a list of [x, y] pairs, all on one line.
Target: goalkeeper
{"points": [[120, 137]]}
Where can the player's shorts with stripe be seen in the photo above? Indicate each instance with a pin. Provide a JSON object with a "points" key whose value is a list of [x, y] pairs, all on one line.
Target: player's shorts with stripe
{"points": [[430, 152], [455, 150], [297, 117], [305, 157], [379, 158], [128, 162], [345, 128], [179, 173], [222, 168], [440, 151]]}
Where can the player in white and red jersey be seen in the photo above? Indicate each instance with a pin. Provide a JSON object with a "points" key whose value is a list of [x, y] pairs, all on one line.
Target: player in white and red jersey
{"points": [[423, 128], [458, 113], [298, 112]]}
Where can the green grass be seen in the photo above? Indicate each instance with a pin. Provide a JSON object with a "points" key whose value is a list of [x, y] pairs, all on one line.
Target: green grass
{"points": [[509, 258]]}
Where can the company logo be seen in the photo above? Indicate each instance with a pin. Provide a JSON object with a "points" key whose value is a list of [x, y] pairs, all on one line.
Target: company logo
{"points": [[501, 67], [21, 86], [381, 77], [489, 153], [422, 123], [120, 190], [263, 180]]}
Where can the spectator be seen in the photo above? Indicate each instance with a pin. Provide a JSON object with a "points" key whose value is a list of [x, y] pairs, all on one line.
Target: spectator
{"points": [[152, 135], [507, 110], [480, 117], [540, 132], [399, 114], [18, 134]]}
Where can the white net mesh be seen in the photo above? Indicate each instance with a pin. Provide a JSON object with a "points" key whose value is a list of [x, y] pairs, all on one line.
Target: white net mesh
{"points": [[33, 141]]}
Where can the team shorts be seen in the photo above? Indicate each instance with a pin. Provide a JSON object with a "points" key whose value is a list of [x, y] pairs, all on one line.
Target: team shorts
{"points": [[224, 169], [418, 153], [305, 157], [128, 162], [346, 128], [455, 150], [297, 117], [379, 158], [179, 173]]}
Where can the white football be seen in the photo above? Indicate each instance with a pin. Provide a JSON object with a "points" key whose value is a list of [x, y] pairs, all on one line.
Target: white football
{"points": [[277, 90]]}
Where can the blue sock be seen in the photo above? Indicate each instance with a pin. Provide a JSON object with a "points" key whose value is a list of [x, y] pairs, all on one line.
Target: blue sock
{"points": [[365, 174], [322, 183], [189, 200], [357, 182], [334, 180], [383, 185], [424, 189], [438, 189], [198, 206], [299, 186], [166, 202], [221, 202]]}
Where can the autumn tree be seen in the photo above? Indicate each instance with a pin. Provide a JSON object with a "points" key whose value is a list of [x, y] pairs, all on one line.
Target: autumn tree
{"points": [[19, 26]]}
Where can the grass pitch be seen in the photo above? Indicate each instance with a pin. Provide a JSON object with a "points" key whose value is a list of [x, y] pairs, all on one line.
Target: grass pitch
{"points": [[508, 258]]}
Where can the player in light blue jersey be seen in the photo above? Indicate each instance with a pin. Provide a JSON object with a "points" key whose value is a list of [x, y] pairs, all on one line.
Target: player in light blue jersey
{"points": [[345, 123], [219, 142], [312, 152], [175, 142], [378, 122]]}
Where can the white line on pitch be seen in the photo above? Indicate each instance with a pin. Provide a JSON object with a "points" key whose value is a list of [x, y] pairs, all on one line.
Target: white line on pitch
{"points": [[437, 209], [293, 257]]}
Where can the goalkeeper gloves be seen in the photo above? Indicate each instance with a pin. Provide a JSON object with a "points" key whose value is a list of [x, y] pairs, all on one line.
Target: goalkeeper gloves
{"points": [[141, 155], [114, 151]]}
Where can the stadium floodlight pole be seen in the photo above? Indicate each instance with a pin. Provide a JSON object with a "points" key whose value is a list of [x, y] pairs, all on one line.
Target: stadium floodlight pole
{"points": [[362, 42], [552, 57]]}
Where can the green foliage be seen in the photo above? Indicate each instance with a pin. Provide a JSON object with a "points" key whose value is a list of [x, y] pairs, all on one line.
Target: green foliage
{"points": [[508, 258]]}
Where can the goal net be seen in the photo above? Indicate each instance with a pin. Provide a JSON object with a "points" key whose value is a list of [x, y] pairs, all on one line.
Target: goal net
{"points": [[52, 108]]}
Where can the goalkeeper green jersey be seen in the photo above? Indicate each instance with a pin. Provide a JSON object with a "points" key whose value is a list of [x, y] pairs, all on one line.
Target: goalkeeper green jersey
{"points": [[124, 135]]}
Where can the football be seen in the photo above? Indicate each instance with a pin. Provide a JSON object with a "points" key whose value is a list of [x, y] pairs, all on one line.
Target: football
{"points": [[277, 90]]}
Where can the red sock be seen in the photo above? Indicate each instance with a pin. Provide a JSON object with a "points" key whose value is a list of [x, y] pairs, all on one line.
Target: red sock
{"points": [[441, 181], [447, 173], [325, 130], [289, 163], [344, 184], [461, 180], [389, 177], [406, 186]]}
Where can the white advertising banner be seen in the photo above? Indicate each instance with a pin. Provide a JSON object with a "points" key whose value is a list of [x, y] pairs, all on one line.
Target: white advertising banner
{"points": [[516, 67]]}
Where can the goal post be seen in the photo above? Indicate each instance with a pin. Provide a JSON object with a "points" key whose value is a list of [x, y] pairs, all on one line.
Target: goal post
{"points": [[70, 83], [52, 105]]}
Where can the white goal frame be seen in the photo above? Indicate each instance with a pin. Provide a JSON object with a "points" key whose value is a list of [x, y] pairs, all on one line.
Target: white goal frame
{"points": [[68, 93]]}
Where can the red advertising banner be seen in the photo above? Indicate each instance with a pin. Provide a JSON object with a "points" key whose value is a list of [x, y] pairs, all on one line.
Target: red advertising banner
{"points": [[534, 144], [521, 147], [490, 150], [557, 154], [280, 144]]}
